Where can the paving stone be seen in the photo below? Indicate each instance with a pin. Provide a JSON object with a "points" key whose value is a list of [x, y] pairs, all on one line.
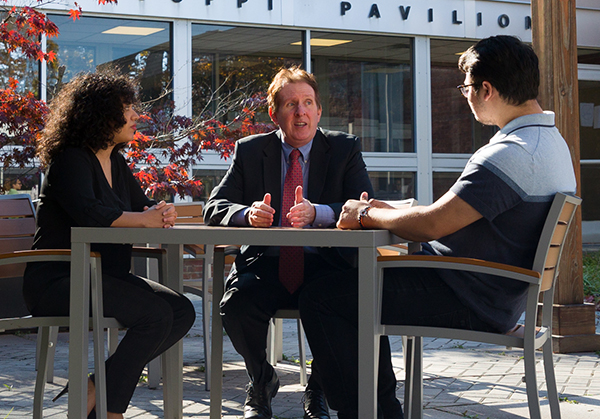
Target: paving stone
{"points": [[479, 380]]}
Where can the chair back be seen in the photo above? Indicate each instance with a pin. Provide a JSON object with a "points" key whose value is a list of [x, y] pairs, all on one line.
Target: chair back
{"points": [[553, 237], [17, 228], [550, 246], [189, 213]]}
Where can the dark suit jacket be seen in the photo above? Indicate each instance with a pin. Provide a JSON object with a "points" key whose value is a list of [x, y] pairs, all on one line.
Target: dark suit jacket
{"points": [[337, 173]]}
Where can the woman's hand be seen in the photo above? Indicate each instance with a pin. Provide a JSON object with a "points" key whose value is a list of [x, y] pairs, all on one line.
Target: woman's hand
{"points": [[162, 213]]}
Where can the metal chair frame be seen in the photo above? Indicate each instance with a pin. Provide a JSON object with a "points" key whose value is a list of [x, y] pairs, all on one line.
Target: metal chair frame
{"points": [[540, 279]]}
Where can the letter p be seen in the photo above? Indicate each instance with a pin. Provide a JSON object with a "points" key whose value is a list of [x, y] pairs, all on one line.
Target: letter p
{"points": [[345, 6]]}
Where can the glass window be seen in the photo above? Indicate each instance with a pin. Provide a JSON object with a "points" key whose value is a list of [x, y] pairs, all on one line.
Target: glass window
{"points": [[15, 65], [442, 182], [589, 134], [393, 185], [20, 180], [387, 185], [210, 179], [454, 129], [590, 192], [589, 130], [366, 87], [229, 63], [588, 56], [140, 48]]}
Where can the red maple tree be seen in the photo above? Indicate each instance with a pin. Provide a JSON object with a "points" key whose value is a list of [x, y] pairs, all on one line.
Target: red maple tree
{"points": [[166, 145]]}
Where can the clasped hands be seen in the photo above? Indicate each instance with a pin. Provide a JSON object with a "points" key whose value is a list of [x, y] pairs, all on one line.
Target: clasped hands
{"points": [[301, 214], [161, 215]]}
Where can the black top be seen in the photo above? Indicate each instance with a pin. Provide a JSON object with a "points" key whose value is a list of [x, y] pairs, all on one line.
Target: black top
{"points": [[75, 193]]}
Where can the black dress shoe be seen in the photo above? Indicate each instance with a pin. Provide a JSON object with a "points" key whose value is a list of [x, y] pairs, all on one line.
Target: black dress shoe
{"points": [[258, 399], [315, 405]]}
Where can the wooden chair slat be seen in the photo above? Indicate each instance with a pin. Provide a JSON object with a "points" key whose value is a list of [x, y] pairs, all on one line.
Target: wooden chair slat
{"points": [[189, 210], [189, 220], [195, 249], [16, 208], [547, 278], [17, 227], [552, 258], [566, 212], [15, 243], [559, 233]]}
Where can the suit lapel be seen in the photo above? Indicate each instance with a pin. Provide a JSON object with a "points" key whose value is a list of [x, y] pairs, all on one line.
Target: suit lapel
{"points": [[272, 171], [319, 161]]}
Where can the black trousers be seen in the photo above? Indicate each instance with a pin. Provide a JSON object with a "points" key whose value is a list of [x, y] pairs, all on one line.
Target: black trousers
{"points": [[330, 316], [251, 299], [156, 317]]}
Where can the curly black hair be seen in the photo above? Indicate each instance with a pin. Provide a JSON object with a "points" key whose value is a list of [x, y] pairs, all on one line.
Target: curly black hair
{"points": [[86, 113]]}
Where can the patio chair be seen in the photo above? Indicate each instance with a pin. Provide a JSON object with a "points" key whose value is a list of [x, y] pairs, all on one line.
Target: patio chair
{"points": [[541, 279], [16, 234], [275, 341]]}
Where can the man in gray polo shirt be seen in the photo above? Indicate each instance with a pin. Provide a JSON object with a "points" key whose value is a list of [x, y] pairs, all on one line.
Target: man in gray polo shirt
{"points": [[495, 211]]}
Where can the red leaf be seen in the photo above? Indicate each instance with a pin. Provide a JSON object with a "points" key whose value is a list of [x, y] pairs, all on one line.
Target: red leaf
{"points": [[74, 14]]}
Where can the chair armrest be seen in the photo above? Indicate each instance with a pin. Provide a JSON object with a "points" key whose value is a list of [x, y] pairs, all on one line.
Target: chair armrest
{"points": [[462, 264], [392, 250], [39, 255]]}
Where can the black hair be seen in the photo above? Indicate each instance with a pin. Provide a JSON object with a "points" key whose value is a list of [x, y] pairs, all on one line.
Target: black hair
{"points": [[86, 113], [507, 63]]}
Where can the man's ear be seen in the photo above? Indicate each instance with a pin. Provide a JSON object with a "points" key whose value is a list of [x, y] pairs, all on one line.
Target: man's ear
{"points": [[273, 116], [488, 90]]}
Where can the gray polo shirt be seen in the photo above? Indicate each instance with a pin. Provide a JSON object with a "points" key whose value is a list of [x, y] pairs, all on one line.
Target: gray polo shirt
{"points": [[511, 182]]}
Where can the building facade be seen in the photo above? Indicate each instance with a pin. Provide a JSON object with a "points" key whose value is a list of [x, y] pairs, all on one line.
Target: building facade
{"points": [[387, 70]]}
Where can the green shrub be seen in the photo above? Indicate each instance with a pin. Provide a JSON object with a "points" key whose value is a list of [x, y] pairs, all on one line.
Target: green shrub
{"points": [[591, 274]]}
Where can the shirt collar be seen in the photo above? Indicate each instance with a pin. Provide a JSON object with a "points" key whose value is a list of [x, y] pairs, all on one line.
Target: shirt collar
{"points": [[304, 150], [546, 118]]}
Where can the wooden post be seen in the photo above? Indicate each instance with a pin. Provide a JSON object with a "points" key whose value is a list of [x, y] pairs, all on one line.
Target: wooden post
{"points": [[555, 42]]}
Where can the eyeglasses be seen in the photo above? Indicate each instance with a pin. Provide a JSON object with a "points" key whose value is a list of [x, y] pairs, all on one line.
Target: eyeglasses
{"points": [[463, 88]]}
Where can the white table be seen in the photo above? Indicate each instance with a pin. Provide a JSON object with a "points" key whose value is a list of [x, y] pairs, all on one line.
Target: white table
{"points": [[173, 240]]}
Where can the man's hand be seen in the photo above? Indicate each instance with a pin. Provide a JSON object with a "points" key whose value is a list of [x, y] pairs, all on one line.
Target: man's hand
{"points": [[260, 213], [375, 203], [349, 216], [303, 212]]}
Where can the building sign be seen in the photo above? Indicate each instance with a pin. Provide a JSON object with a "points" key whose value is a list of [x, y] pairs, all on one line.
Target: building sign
{"points": [[503, 19], [445, 18]]}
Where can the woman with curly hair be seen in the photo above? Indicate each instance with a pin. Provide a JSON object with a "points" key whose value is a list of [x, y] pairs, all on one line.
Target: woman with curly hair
{"points": [[88, 184]]}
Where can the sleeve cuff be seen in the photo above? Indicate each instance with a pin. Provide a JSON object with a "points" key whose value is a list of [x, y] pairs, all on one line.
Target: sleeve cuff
{"points": [[324, 216], [239, 218]]}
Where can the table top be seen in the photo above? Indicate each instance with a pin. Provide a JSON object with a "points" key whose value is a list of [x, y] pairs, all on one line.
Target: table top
{"points": [[274, 236]]}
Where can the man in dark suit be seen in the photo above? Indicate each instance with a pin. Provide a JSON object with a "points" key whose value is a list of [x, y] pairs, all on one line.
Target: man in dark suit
{"points": [[253, 193]]}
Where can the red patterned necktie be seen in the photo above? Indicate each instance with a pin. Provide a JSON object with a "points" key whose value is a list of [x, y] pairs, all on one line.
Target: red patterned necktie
{"points": [[291, 258]]}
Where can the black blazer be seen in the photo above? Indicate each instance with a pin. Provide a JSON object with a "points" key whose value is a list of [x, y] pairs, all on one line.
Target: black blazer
{"points": [[337, 173]]}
